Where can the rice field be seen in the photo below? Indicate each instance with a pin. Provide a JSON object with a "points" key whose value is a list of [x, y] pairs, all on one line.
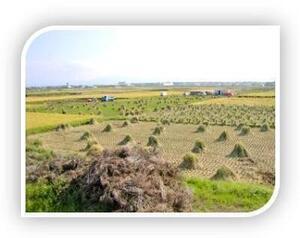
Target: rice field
{"points": [[214, 114], [252, 101], [259, 93], [119, 109], [39, 122], [177, 140], [210, 132]]}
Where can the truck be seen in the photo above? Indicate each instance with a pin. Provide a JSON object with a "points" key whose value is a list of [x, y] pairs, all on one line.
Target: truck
{"points": [[107, 98]]}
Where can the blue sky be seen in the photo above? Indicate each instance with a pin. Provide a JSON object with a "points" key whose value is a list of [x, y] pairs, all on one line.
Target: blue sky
{"points": [[107, 55]]}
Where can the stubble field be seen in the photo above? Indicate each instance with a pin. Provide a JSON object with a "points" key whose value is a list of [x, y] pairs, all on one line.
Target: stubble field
{"points": [[220, 181], [175, 142]]}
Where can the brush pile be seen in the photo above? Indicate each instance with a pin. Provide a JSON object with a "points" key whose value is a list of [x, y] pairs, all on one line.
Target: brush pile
{"points": [[130, 180]]}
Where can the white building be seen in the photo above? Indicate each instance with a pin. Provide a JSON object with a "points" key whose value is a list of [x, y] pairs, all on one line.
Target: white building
{"points": [[168, 84], [122, 83], [68, 85]]}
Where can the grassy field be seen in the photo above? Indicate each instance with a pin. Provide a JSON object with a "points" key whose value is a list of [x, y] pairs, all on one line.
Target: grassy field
{"points": [[223, 196], [121, 107], [209, 196], [40, 122]]}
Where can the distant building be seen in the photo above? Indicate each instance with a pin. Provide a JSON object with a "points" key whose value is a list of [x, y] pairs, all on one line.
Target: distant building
{"points": [[228, 93], [222, 92], [163, 94], [122, 83], [68, 85], [217, 92], [209, 92], [197, 93], [168, 84]]}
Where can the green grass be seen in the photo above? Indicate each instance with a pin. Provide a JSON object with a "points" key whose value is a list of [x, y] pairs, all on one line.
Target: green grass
{"points": [[36, 151], [42, 196], [171, 109], [120, 107], [225, 196], [209, 196]]}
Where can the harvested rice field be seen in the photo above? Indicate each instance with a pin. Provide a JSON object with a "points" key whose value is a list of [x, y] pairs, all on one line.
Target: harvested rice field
{"points": [[175, 141]]}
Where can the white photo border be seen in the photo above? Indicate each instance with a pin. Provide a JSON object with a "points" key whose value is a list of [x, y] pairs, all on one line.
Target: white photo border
{"points": [[139, 214]]}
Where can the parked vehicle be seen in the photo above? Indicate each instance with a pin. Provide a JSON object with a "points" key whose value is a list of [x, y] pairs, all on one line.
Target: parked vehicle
{"points": [[107, 98]]}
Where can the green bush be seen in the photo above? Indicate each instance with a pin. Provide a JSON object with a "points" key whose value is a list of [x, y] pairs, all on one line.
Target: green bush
{"points": [[239, 151], [86, 135], [126, 140], [37, 143], [63, 127], [134, 120], [152, 141], [201, 128], [93, 121], [198, 147], [189, 161], [223, 136], [224, 173], [35, 150], [245, 130], [125, 123], [43, 196], [264, 127], [165, 122], [158, 130], [95, 150], [89, 144], [240, 126], [108, 128]]}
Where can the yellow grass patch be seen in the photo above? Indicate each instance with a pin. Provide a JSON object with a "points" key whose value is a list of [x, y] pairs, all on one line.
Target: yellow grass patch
{"points": [[239, 101], [38, 119], [269, 93]]}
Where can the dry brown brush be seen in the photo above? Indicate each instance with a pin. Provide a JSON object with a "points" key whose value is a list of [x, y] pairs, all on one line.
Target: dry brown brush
{"points": [[130, 180]]}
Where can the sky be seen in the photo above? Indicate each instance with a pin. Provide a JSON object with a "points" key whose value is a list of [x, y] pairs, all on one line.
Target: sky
{"points": [[137, 54]]}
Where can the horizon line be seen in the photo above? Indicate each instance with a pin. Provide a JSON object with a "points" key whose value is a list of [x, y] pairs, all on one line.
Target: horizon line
{"points": [[157, 83]]}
